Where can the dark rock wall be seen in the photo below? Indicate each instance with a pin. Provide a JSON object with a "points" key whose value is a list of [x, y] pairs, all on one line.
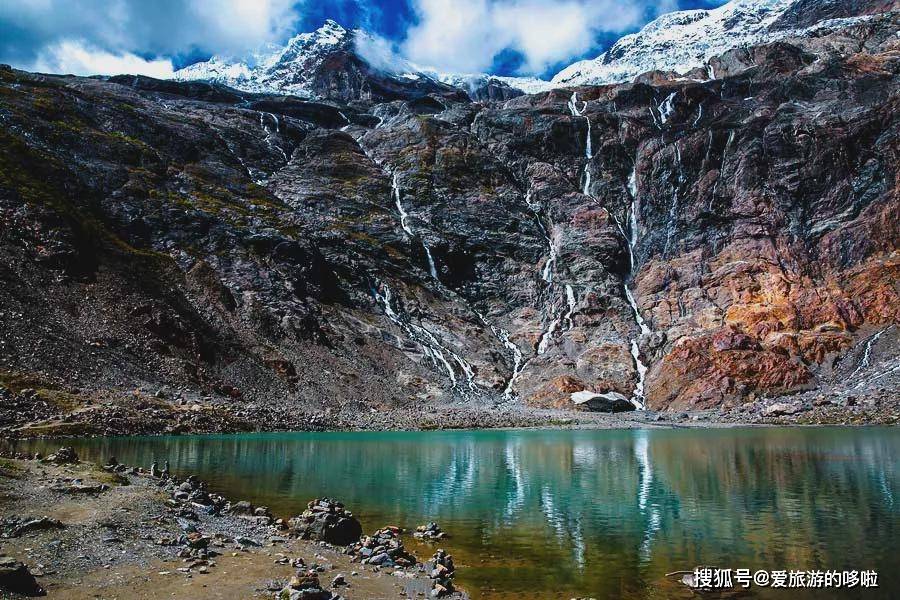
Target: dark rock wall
{"points": [[253, 248]]}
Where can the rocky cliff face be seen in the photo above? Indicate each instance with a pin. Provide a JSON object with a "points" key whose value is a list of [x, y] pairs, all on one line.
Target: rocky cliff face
{"points": [[677, 243]]}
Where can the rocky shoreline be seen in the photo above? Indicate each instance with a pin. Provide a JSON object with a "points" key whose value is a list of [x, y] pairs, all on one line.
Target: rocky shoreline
{"points": [[72, 529], [28, 414]]}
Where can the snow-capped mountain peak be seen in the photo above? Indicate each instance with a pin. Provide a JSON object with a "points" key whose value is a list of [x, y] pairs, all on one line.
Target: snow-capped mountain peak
{"points": [[685, 40], [287, 69]]}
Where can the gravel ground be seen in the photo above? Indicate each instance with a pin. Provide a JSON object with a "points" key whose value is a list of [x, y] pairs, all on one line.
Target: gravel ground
{"points": [[96, 533]]}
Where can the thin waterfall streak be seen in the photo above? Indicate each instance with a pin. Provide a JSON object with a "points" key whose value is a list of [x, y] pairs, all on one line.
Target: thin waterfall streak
{"points": [[637, 396]]}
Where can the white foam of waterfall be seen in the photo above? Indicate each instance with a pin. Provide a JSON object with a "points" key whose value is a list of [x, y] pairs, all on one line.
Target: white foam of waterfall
{"points": [[667, 108], [571, 301], [637, 396], [588, 144], [432, 347], [547, 336], [404, 224], [632, 217], [518, 359], [432, 269], [518, 364], [268, 132], [865, 362], [710, 72], [385, 298], [699, 116], [547, 272], [346, 120], [404, 216]]}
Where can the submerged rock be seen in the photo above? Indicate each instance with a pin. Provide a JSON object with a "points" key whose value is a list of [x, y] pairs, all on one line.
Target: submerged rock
{"points": [[430, 532]]}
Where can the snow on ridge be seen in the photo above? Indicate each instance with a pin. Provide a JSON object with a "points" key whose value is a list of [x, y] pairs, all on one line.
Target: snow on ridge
{"points": [[684, 40], [283, 70], [278, 70], [678, 41], [471, 81]]}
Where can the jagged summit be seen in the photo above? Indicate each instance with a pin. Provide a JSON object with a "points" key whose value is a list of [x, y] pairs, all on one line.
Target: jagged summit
{"points": [[331, 62], [686, 40]]}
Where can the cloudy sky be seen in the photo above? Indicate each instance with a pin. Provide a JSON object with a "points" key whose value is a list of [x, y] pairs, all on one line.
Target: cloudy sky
{"points": [[525, 37]]}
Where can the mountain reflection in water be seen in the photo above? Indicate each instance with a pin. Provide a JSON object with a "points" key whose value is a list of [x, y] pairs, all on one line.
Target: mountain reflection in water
{"points": [[555, 514]]}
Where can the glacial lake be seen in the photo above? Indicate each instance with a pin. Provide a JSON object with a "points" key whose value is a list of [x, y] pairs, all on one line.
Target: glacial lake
{"points": [[542, 514]]}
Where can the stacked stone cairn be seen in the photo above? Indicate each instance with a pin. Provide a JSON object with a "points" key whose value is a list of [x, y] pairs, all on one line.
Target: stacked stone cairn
{"points": [[326, 520], [442, 572]]}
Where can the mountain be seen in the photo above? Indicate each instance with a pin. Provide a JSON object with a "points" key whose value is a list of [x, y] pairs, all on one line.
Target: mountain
{"points": [[344, 65], [682, 41], [178, 255], [330, 63]]}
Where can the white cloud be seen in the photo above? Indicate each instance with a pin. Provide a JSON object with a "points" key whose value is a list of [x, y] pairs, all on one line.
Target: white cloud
{"points": [[116, 33], [466, 35], [74, 58], [381, 54]]}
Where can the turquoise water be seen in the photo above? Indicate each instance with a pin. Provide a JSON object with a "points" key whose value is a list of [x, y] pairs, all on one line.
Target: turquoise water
{"points": [[606, 514]]}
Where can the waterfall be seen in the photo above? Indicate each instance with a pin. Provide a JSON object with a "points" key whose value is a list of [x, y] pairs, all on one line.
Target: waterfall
{"points": [[404, 216], [865, 363], [699, 115], [404, 224], [565, 320], [547, 336], [547, 276], [431, 346], [346, 119], [519, 361], [666, 108], [571, 302], [547, 272], [588, 144], [637, 397], [268, 132], [673, 207]]}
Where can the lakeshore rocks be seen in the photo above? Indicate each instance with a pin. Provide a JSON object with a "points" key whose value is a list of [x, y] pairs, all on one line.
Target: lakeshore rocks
{"points": [[430, 532], [15, 577], [783, 408], [384, 548], [304, 585], [442, 571], [12, 527], [63, 456], [326, 520]]}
